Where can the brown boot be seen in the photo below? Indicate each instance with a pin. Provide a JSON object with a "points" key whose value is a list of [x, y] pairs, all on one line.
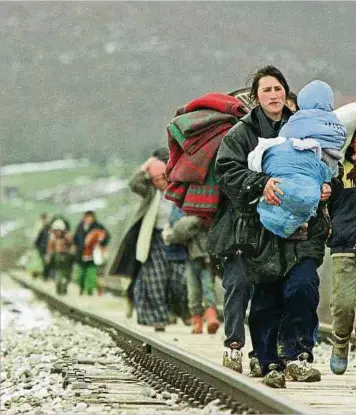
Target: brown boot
{"points": [[197, 323], [211, 320]]}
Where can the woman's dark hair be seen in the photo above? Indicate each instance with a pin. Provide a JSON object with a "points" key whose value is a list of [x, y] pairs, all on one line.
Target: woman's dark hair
{"points": [[162, 154], [261, 73]]}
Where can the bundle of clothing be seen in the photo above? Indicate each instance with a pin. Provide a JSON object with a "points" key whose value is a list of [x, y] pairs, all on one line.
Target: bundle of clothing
{"points": [[194, 136], [304, 156]]}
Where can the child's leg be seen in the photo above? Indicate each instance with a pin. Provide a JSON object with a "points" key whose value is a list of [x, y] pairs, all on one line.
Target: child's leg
{"points": [[207, 282], [195, 295], [208, 287], [91, 279], [82, 277]]}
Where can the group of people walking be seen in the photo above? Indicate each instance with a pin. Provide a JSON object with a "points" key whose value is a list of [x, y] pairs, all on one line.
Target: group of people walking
{"points": [[59, 250], [163, 251], [279, 275], [286, 177], [254, 195]]}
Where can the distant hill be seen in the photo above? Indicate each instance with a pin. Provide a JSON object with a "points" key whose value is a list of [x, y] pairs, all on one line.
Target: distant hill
{"points": [[92, 79]]}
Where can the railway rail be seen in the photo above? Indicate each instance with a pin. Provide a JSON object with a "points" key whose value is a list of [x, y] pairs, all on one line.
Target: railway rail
{"points": [[164, 366]]}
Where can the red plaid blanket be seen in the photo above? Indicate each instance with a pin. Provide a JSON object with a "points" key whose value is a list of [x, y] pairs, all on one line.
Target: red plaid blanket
{"points": [[218, 102], [194, 136]]}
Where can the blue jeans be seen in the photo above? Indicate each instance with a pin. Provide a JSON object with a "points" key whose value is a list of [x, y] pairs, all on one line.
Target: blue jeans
{"points": [[283, 320], [200, 285], [238, 292]]}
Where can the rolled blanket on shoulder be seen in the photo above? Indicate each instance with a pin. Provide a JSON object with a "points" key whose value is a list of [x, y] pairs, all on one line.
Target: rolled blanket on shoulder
{"points": [[217, 101]]}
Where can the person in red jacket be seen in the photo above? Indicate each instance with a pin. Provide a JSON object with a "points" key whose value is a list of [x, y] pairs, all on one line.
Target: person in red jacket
{"points": [[88, 235]]}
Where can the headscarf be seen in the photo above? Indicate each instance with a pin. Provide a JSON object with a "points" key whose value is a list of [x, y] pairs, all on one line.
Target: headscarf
{"points": [[156, 168]]}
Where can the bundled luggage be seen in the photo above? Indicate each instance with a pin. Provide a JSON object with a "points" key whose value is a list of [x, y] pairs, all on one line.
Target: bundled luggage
{"points": [[194, 137]]}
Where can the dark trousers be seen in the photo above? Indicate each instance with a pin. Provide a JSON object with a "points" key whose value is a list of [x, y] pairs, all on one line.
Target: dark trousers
{"points": [[238, 292], [283, 320]]}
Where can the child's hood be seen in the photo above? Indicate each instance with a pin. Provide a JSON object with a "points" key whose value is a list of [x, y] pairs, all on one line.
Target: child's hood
{"points": [[316, 95]]}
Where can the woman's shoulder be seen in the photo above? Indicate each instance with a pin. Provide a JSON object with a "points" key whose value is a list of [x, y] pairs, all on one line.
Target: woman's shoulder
{"points": [[245, 132], [246, 125]]}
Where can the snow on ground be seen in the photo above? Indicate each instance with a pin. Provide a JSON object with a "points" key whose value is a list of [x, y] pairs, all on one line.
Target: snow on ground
{"points": [[42, 166], [7, 227], [93, 204]]}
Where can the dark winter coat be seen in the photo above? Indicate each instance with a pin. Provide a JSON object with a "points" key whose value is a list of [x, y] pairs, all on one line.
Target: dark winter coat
{"points": [[242, 187], [41, 241], [343, 215]]}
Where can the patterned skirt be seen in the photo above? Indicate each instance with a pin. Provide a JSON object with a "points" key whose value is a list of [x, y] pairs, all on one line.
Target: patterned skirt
{"points": [[158, 284]]}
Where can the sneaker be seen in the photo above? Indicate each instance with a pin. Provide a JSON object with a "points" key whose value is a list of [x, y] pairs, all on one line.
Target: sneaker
{"points": [[255, 368], [275, 378], [232, 359], [301, 370], [339, 354]]}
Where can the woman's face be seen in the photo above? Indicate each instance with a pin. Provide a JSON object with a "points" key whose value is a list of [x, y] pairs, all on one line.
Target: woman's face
{"points": [[271, 96], [160, 182]]}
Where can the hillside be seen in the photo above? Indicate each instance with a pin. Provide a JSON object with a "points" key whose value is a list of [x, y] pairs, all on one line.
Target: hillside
{"points": [[93, 79]]}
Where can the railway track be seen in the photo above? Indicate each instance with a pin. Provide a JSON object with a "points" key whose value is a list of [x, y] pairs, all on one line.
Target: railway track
{"points": [[167, 369]]}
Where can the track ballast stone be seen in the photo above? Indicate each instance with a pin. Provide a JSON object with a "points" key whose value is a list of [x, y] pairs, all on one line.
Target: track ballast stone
{"points": [[53, 365]]}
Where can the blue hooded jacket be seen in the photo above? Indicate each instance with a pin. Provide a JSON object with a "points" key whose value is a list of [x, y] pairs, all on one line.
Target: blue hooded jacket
{"points": [[315, 118], [301, 172]]}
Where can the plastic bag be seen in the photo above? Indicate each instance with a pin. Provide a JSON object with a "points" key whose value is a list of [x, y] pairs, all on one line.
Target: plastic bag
{"points": [[99, 255]]}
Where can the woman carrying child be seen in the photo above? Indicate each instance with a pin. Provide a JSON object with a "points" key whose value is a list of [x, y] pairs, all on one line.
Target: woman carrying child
{"points": [[283, 320]]}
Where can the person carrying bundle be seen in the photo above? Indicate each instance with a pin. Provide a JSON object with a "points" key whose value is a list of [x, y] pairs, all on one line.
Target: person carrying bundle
{"points": [[302, 159]]}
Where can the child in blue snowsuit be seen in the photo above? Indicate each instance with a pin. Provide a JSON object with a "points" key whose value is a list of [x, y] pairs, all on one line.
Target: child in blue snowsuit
{"points": [[303, 157]]}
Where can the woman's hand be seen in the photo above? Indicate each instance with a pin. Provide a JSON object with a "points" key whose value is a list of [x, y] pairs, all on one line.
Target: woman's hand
{"points": [[270, 192], [325, 192]]}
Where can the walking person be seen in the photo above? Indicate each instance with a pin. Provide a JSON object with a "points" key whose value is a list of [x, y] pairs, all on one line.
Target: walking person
{"points": [[190, 231], [88, 235], [156, 276], [283, 321], [42, 233], [177, 256], [123, 261], [60, 255], [343, 253]]}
